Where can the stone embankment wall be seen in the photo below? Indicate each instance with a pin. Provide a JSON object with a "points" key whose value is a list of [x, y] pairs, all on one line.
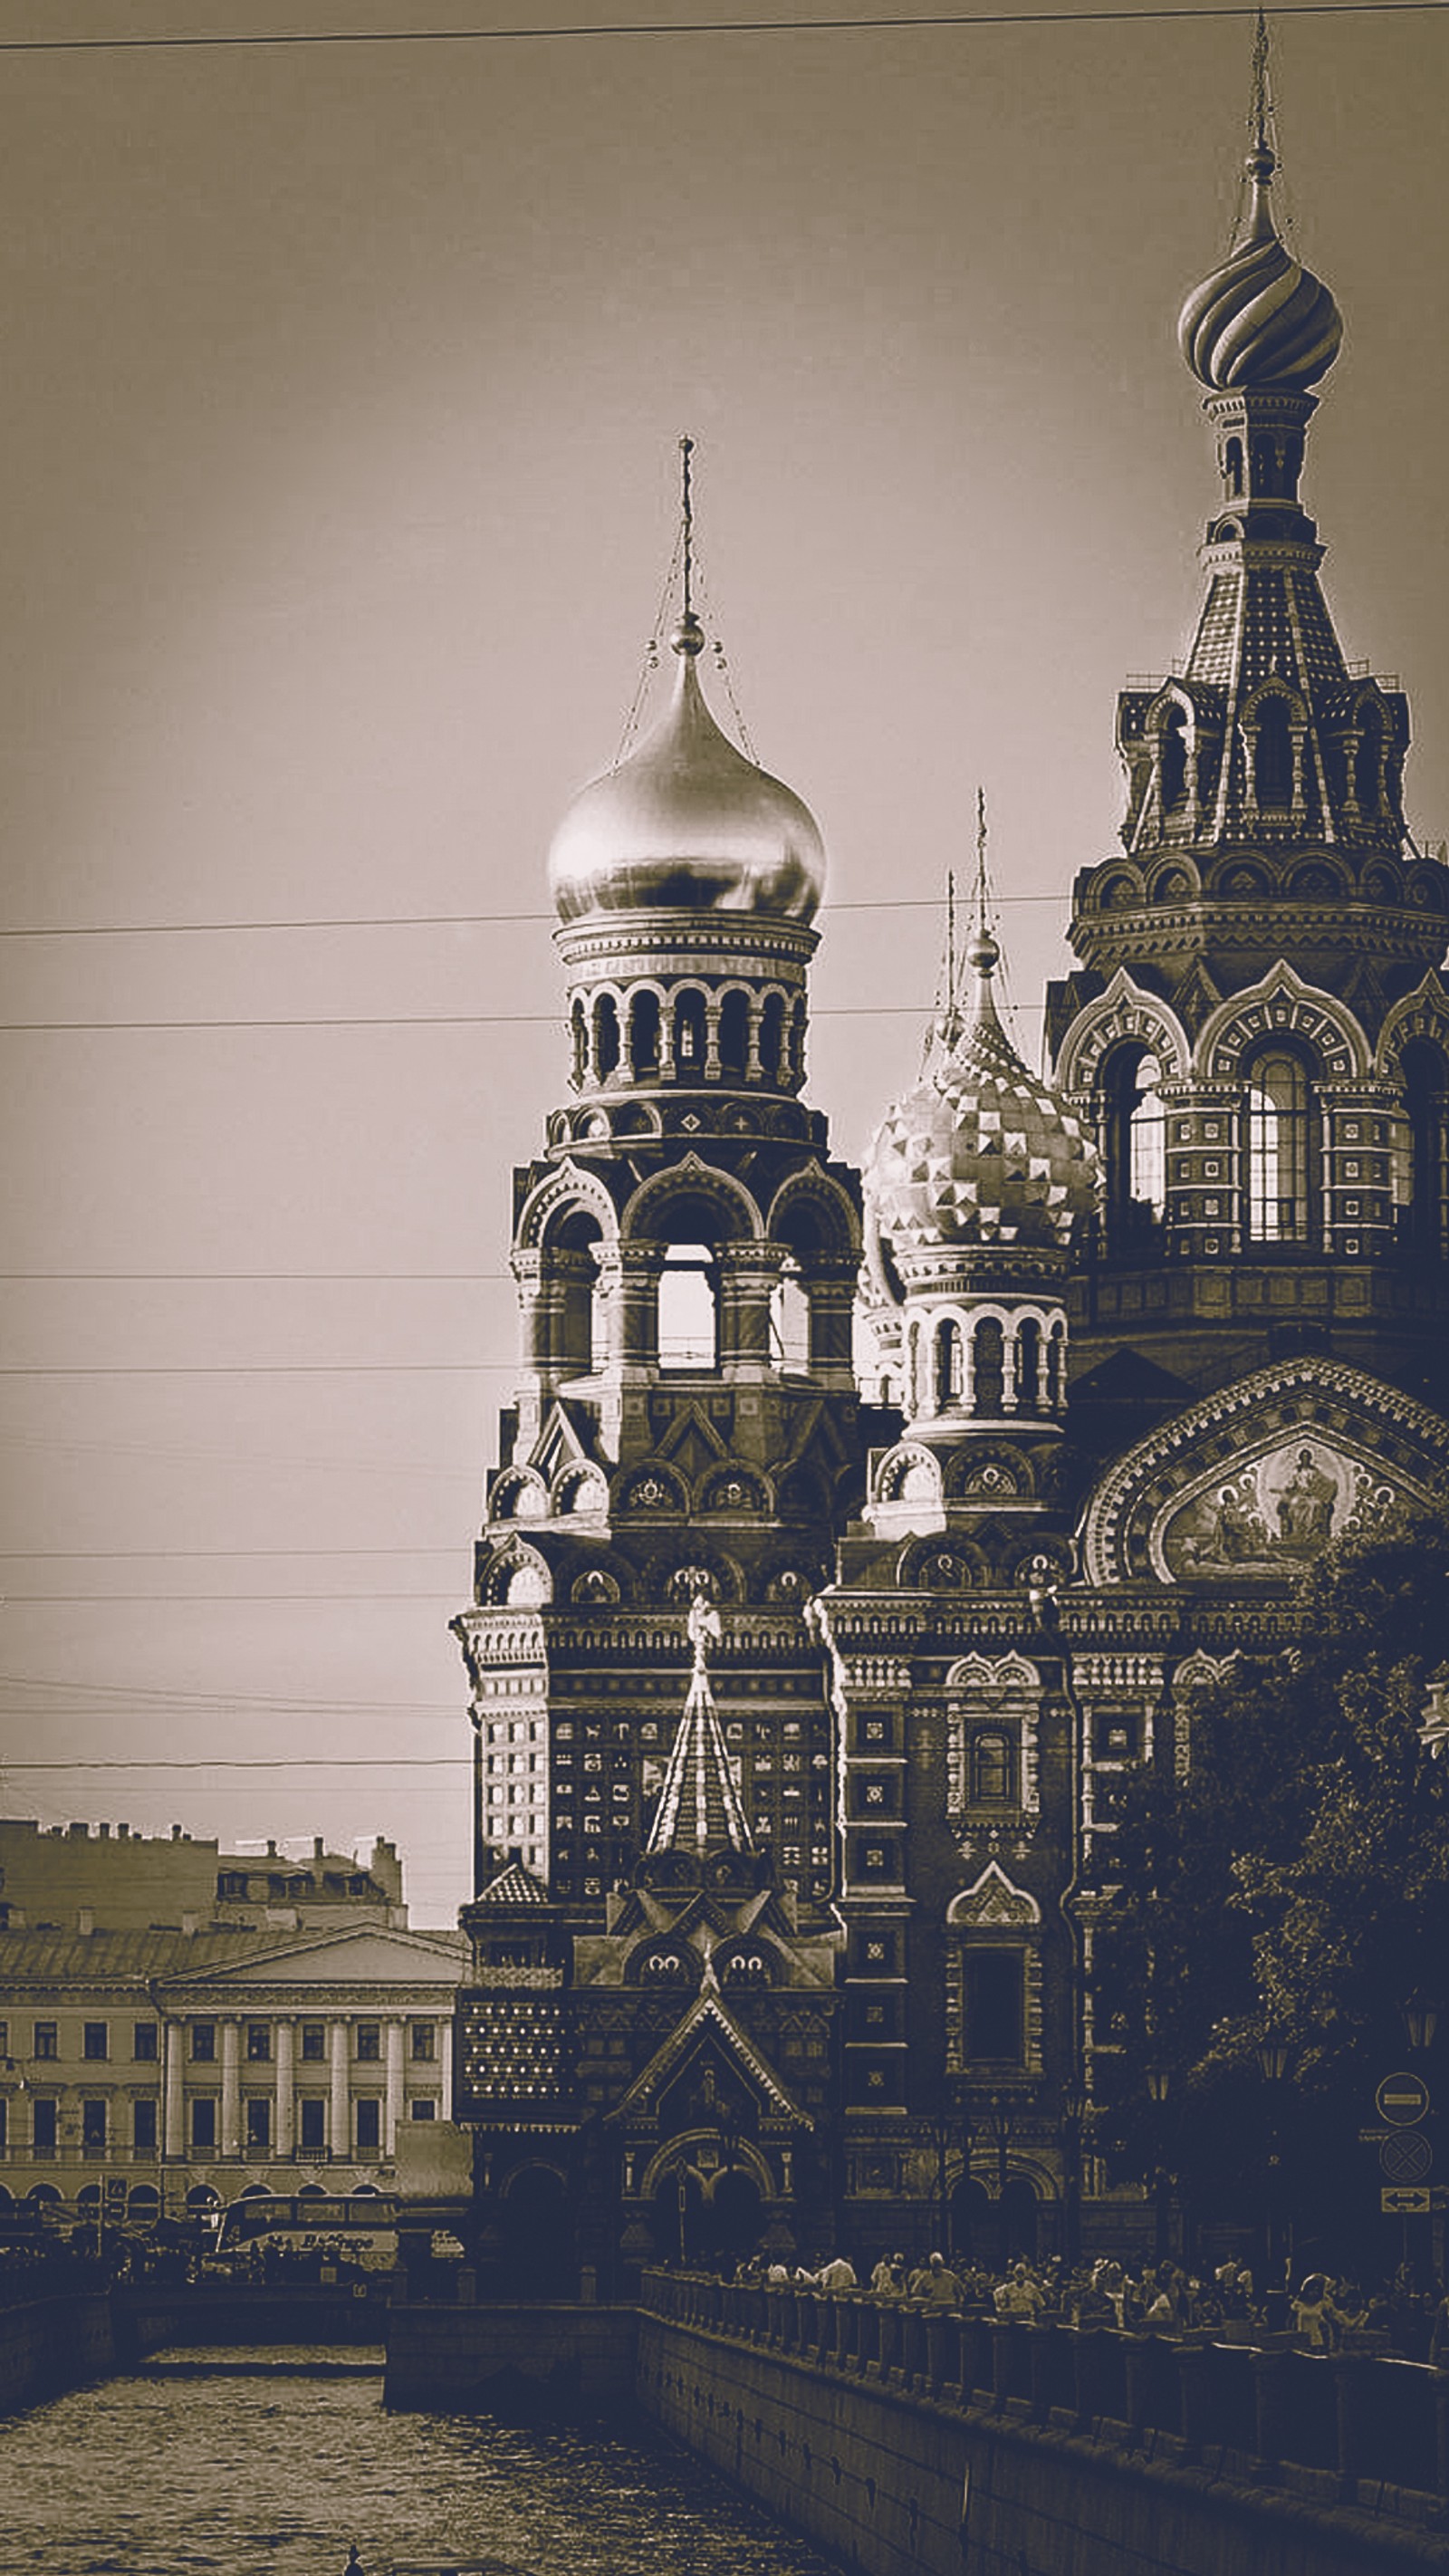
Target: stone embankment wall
{"points": [[54, 2343], [911, 2445], [570, 2358]]}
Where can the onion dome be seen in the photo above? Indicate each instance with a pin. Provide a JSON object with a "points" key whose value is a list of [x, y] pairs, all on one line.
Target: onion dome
{"points": [[982, 1151], [687, 824], [1261, 320]]}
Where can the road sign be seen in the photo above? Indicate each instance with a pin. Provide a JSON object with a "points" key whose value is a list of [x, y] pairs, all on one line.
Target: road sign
{"points": [[1402, 2100], [1400, 2200], [1405, 2156]]}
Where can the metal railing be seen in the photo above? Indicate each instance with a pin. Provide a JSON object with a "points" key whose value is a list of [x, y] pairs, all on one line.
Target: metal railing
{"points": [[1266, 2412]]}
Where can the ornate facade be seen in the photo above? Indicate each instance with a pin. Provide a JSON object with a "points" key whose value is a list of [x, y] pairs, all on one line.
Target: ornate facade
{"points": [[811, 1929]]}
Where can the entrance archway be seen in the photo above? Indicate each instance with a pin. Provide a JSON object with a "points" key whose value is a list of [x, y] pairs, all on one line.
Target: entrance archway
{"points": [[1019, 2207], [732, 2220], [538, 2238]]}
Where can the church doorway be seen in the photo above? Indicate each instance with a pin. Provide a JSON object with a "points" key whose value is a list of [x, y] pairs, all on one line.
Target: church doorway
{"points": [[733, 2220], [537, 2236]]}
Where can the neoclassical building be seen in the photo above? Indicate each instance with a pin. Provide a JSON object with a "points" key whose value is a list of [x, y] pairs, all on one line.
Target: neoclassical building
{"points": [[807, 1664]]}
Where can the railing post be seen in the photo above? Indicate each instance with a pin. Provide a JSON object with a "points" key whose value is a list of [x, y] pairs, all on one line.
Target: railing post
{"points": [[1138, 2359], [1001, 2333], [1039, 2369], [1268, 2403], [1194, 2398], [1352, 2402], [1441, 2439], [936, 2329]]}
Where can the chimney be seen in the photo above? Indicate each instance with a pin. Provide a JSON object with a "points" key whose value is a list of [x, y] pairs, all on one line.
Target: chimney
{"points": [[316, 1846], [189, 1926], [123, 1832], [105, 1832], [82, 1832], [85, 1921], [271, 1851], [176, 1833]]}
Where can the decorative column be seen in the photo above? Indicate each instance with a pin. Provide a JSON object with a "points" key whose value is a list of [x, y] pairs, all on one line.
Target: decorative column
{"points": [[447, 2056], [173, 2042], [393, 2105], [285, 2124], [231, 2088], [340, 2135]]}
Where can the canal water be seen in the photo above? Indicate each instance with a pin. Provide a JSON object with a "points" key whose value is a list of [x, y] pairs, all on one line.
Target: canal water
{"points": [[167, 2475]]}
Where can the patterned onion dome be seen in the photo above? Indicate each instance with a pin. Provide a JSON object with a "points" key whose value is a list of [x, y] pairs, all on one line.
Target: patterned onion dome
{"points": [[982, 1150], [687, 824], [1262, 319]]}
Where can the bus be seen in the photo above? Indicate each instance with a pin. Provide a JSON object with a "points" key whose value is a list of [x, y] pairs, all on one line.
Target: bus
{"points": [[356, 2231]]}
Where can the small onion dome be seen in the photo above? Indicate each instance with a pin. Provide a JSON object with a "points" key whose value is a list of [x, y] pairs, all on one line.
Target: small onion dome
{"points": [[687, 824], [982, 1150], [1262, 319]]}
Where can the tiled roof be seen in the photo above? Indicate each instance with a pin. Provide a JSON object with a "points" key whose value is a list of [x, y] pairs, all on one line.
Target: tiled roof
{"points": [[514, 1885], [43, 1951]]}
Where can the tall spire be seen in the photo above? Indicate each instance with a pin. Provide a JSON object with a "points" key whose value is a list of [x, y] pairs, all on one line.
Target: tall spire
{"points": [[700, 1807]]}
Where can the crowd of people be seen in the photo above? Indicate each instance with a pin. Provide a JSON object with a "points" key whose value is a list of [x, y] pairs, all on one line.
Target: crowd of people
{"points": [[1325, 2313]]}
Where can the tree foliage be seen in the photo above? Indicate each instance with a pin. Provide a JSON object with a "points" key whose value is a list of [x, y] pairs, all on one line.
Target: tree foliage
{"points": [[1295, 1882]]}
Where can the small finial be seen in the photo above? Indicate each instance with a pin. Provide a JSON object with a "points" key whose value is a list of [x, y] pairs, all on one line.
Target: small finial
{"points": [[1262, 160], [688, 636], [983, 952]]}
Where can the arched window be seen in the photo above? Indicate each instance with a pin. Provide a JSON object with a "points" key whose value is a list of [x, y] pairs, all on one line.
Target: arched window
{"points": [[993, 1767], [606, 1036], [1279, 1119], [988, 1371], [790, 1322], [688, 1308], [1273, 754], [644, 1035], [772, 1035], [1028, 1366], [580, 1320], [797, 1043], [1056, 1358], [948, 1386], [1426, 1111], [995, 2001], [734, 1035], [1368, 764], [1173, 741], [579, 1033], [1135, 1145], [689, 1034], [1233, 469]]}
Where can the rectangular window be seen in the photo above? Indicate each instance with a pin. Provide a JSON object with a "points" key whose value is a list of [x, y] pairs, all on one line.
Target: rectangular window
{"points": [[47, 2039], [42, 2128], [369, 2042], [93, 2128], [369, 2123], [203, 2121], [259, 2125], [95, 2041], [4, 2038], [232, 1885], [312, 2119], [143, 2128], [422, 2043], [143, 2042], [314, 2042], [203, 2042], [259, 2042], [422, 2108], [994, 2005]]}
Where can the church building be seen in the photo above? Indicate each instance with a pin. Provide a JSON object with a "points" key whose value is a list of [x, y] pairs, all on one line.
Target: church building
{"points": [[853, 1536]]}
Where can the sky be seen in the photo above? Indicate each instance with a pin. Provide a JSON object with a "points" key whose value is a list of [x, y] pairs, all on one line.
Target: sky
{"points": [[339, 404]]}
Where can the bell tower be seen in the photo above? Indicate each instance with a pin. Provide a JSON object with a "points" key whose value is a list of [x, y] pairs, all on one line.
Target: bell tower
{"points": [[685, 1418]]}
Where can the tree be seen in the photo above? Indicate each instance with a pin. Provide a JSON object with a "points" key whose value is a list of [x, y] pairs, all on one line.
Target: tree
{"points": [[1294, 1884]]}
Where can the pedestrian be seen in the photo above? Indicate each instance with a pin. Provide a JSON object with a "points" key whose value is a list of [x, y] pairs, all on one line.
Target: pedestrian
{"points": [[837, 2274], [942, 2288]]}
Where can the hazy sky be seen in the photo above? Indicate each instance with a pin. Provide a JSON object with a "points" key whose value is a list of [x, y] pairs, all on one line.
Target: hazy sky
{"points": [[338, 411]]}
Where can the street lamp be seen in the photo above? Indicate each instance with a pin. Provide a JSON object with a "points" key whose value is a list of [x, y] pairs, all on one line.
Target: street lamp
{"points": [[1273, 2054], [1159, 2085], [1074, 2112], [1421, 2019]]}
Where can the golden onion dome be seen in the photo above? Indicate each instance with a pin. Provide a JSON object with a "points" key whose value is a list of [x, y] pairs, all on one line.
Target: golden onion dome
{"points": [[982, 1151], [687, 824], [1262, 319]]}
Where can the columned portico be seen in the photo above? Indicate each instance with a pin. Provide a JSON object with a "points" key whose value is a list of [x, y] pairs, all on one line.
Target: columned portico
{"points": [[340, 2129], [285, 2125], [231, 2088]]}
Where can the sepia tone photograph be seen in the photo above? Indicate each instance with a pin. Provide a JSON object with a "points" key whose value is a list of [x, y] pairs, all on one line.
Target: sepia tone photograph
{"points": [[724, 1390]]}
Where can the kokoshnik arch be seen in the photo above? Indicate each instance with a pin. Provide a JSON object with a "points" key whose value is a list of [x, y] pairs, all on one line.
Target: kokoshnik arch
{"points": [[800, 1698]]}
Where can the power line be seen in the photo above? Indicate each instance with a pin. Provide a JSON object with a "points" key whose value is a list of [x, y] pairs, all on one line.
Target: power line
{"points": [[76, 1600], [283, 1762], [415, 921], [278, 1368], [401, 1278], [905, 23], [210, 1703], [438, 1019], [113, 1555]]}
